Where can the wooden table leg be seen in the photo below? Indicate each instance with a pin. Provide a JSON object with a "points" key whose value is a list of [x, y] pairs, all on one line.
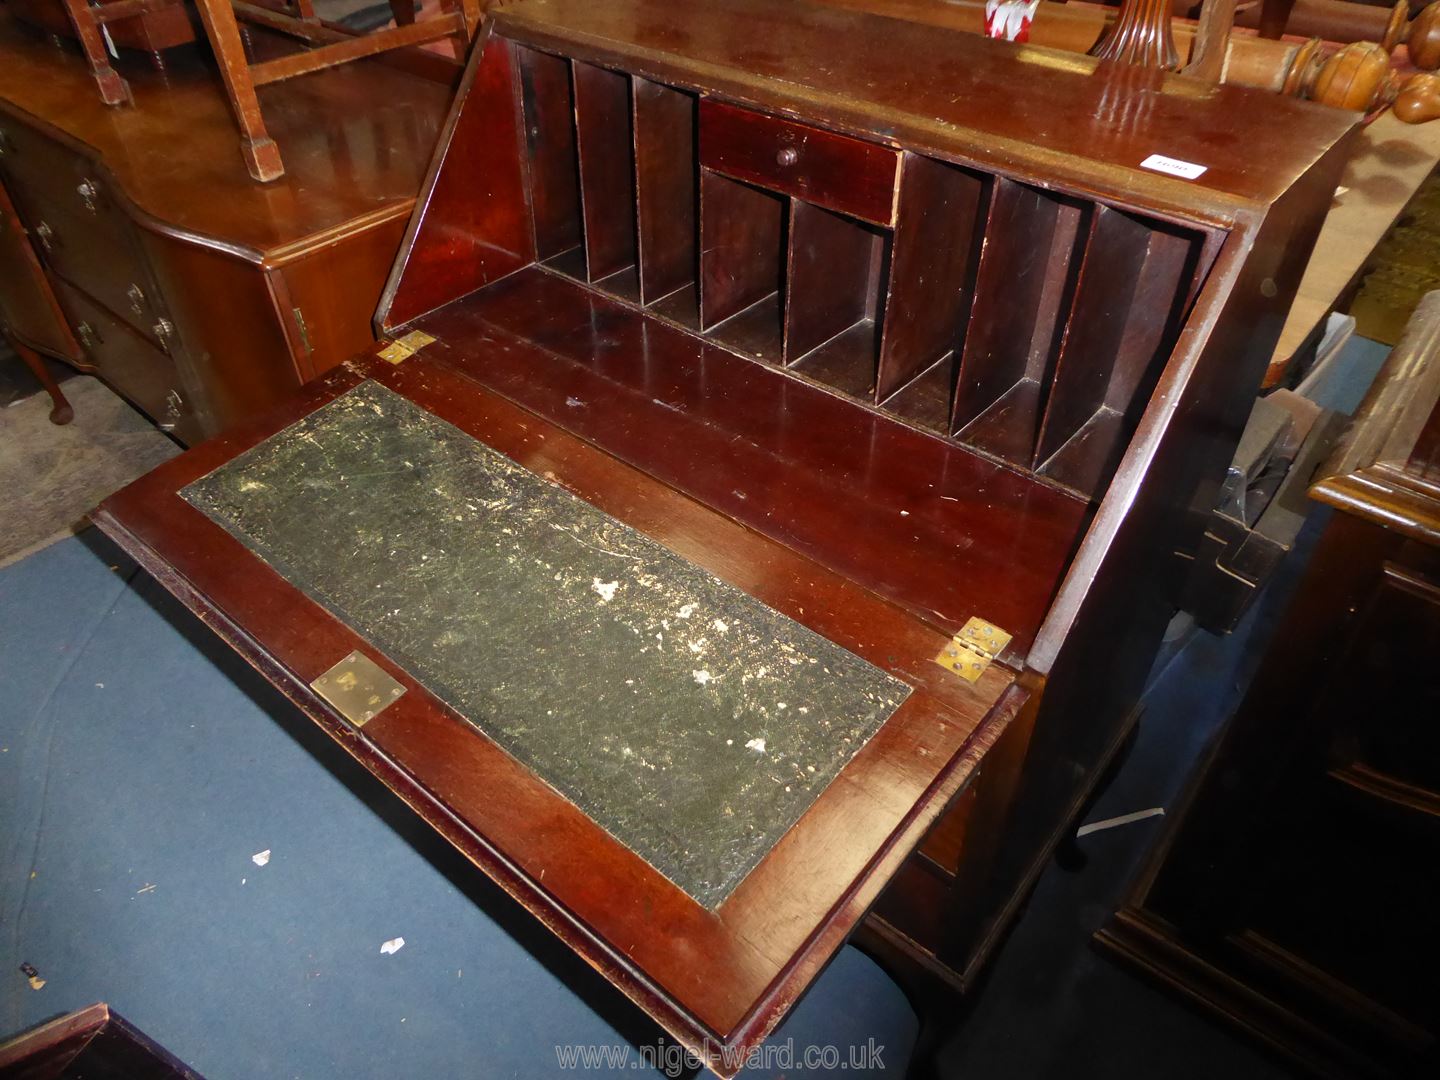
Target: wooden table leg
{"points": [[262, 156], [113, 89], [61, 411]]}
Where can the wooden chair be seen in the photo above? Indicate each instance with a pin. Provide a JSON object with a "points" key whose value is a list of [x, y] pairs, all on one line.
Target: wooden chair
{"points": [[459, 21], [332, 45]]}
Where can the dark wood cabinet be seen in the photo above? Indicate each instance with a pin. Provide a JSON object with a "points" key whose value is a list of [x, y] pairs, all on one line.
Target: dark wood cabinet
{"points": [[1294, 894], [200, 295], [889, 333], [93, 1043]]}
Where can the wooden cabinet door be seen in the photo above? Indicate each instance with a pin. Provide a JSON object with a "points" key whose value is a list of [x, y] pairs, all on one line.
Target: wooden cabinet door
{"points": [[27, 304]]}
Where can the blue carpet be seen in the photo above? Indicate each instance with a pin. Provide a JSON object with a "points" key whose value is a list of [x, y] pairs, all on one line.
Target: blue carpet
{"points": [[142, 765]]}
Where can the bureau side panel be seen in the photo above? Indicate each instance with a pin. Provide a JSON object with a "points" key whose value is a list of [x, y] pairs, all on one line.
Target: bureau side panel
{"points": [[1109, 617]]}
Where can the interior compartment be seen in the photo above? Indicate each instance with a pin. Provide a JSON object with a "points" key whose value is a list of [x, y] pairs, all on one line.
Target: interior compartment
{"points": [[1029, 263], [939, 227], [604, 141], [834, 297], [742, 266], [1020, 322], [1127, 310], [824, 474], [666, 197], [548, 107]]}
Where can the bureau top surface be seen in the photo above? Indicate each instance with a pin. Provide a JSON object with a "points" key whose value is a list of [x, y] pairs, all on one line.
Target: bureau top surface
{"points": [[1034, 112], [355, 140]]}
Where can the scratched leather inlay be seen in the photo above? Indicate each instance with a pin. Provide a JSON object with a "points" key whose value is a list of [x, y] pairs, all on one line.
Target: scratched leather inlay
{"points": [[688, 719]]}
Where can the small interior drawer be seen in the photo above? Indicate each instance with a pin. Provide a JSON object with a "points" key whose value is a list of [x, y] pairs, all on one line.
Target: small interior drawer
{"points": [[839, 173]]}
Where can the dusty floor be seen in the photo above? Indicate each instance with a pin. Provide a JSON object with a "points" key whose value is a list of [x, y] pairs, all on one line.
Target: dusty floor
{"points": [[51, 477]]}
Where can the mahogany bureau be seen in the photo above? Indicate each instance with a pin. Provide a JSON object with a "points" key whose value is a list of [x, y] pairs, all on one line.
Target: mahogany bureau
{"points": [[761, 510], [198, 294]]}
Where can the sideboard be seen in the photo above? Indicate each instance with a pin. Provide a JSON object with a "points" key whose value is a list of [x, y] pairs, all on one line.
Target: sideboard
{"points": [[198, 294]]}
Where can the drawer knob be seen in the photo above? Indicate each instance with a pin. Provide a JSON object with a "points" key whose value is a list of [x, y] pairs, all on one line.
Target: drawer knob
{"points": [[46, 235], [88, 191], [787, 156], [137, 299], [162, 330], [88, 337]]}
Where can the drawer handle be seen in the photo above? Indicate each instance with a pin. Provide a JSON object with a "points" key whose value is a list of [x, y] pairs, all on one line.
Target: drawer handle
{"points": [[137, 299], [174, 403], [88, 192], [787, 156], [46, 236], [162, 330], [88, 335]]}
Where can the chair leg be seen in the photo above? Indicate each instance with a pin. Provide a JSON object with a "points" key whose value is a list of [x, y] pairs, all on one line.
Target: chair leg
{"points": [[262, 156], [113, 89], [61, 411]]}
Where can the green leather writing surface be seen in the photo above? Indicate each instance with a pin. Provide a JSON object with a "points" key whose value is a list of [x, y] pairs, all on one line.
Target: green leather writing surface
{"points": [[688, 719]]}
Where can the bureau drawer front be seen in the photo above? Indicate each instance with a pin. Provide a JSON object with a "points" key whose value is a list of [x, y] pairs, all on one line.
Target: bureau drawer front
{"points": [[80, 230], [146, 376], [837, 172]]}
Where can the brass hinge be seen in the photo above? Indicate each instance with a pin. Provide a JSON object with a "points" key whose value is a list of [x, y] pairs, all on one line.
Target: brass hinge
{"points": [[405, 347], [970, 651]]}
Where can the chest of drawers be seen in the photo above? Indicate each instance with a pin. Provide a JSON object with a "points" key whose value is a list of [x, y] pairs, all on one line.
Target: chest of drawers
{"points": [[196, 293]]}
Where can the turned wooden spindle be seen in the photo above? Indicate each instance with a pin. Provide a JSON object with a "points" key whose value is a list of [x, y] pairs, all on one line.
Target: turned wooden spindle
{"points": [[1419, 99], [1357, 77], [1248, 60], [1422, 39], [1334, 20], [1349, 20], [1140, 35]]}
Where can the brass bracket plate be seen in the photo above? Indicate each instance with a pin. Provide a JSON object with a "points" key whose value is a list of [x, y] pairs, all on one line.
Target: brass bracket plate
{"points": [[357, 688], [970, 651], [405, 347]]}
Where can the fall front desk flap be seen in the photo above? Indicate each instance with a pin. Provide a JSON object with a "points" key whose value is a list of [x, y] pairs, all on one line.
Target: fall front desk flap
{"points": [[687, 718]]}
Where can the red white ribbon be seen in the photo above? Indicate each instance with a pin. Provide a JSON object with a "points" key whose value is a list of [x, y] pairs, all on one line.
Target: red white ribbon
{"points": [[1009, 20]]}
